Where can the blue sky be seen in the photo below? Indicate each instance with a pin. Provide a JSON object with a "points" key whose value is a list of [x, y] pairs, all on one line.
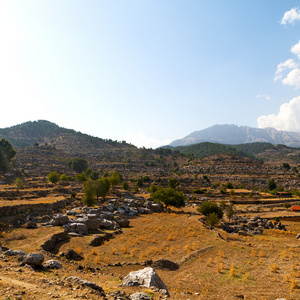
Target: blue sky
{"points": [[149, 72]]}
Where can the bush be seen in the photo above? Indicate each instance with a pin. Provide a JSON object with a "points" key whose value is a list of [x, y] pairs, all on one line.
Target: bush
{"points": [[199, 191], [19, 183], [271, 185], [169, 196], [125, 185], [209, 207], [212, 219], [53, 177], [286, 166], [79, 165], [173, 183], [229, 185], [89, 193], [296, 192], [63, 177]]}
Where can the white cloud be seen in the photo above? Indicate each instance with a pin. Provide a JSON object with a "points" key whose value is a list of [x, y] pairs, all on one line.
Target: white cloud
{"points": [[139, 139], [266, 97], [296, 49], [291, 16], [288, 64], [293, 78], [287, 119]]}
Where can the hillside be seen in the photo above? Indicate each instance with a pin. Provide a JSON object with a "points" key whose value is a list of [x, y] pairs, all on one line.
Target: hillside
{"points": [[44, 132], [233, 134], [261, 151]]}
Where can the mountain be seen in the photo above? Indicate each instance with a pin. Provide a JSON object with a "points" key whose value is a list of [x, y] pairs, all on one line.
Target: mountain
{"points": [[44, 132], [233, 134]]}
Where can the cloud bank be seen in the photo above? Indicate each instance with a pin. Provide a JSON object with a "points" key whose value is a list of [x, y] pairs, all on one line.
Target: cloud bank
{"points": [[291, 16], [287, 119]]}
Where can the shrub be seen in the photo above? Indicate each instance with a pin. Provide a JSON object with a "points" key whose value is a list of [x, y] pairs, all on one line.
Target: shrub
{"points": [[212, 219], [63, 177], [169, 196], [271, 185], [173, 183], [89, 193], [296, 192], [115, 179], [199, 191], [53, 177], [229, 185], [79, 165], [286, 166], [209, 207], [125, 185], [19, 183]]}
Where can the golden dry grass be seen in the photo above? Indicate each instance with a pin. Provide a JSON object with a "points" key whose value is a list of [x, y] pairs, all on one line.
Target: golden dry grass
{"points": [[238, 265]]}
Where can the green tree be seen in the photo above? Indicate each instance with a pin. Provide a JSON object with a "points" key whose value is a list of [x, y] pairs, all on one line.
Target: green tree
{"points": [[102, 187], [81, 177], [115, 179], [125, 185], [89, 193], [91, 174], [286, 166], [19, 183], [53, 177], [209, 207], [169, 196], [230, 212], [271, 185], [7, 153], [173, 183], [63, 177], [79, 165]]}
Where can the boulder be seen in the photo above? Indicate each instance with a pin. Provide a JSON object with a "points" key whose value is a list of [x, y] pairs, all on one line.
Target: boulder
{"points": [[71, 255], [98, 240], [140, 296], [59, 220], [157, 207], [55, 239], [91, 224], [123, 222], [32, 259], [145, 277], [52, 264], [107, 224], [30, 225], [78, 228], [14, 252]]}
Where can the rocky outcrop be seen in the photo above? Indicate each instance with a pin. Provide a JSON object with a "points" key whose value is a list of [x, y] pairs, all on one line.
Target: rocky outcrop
{"points": [[86, 283], [254, 225], [165, 264], [54, 240]]}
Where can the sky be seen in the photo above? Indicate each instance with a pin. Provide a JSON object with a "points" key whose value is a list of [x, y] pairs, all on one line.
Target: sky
{"points": [[150, 72]]}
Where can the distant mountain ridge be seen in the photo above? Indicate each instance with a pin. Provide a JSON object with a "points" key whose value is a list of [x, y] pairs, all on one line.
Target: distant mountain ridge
{"points": [[233, 135], [44, 132]]}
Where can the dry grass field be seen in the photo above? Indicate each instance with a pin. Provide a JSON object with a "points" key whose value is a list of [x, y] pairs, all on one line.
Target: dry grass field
{"points": [[235, 267]]}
